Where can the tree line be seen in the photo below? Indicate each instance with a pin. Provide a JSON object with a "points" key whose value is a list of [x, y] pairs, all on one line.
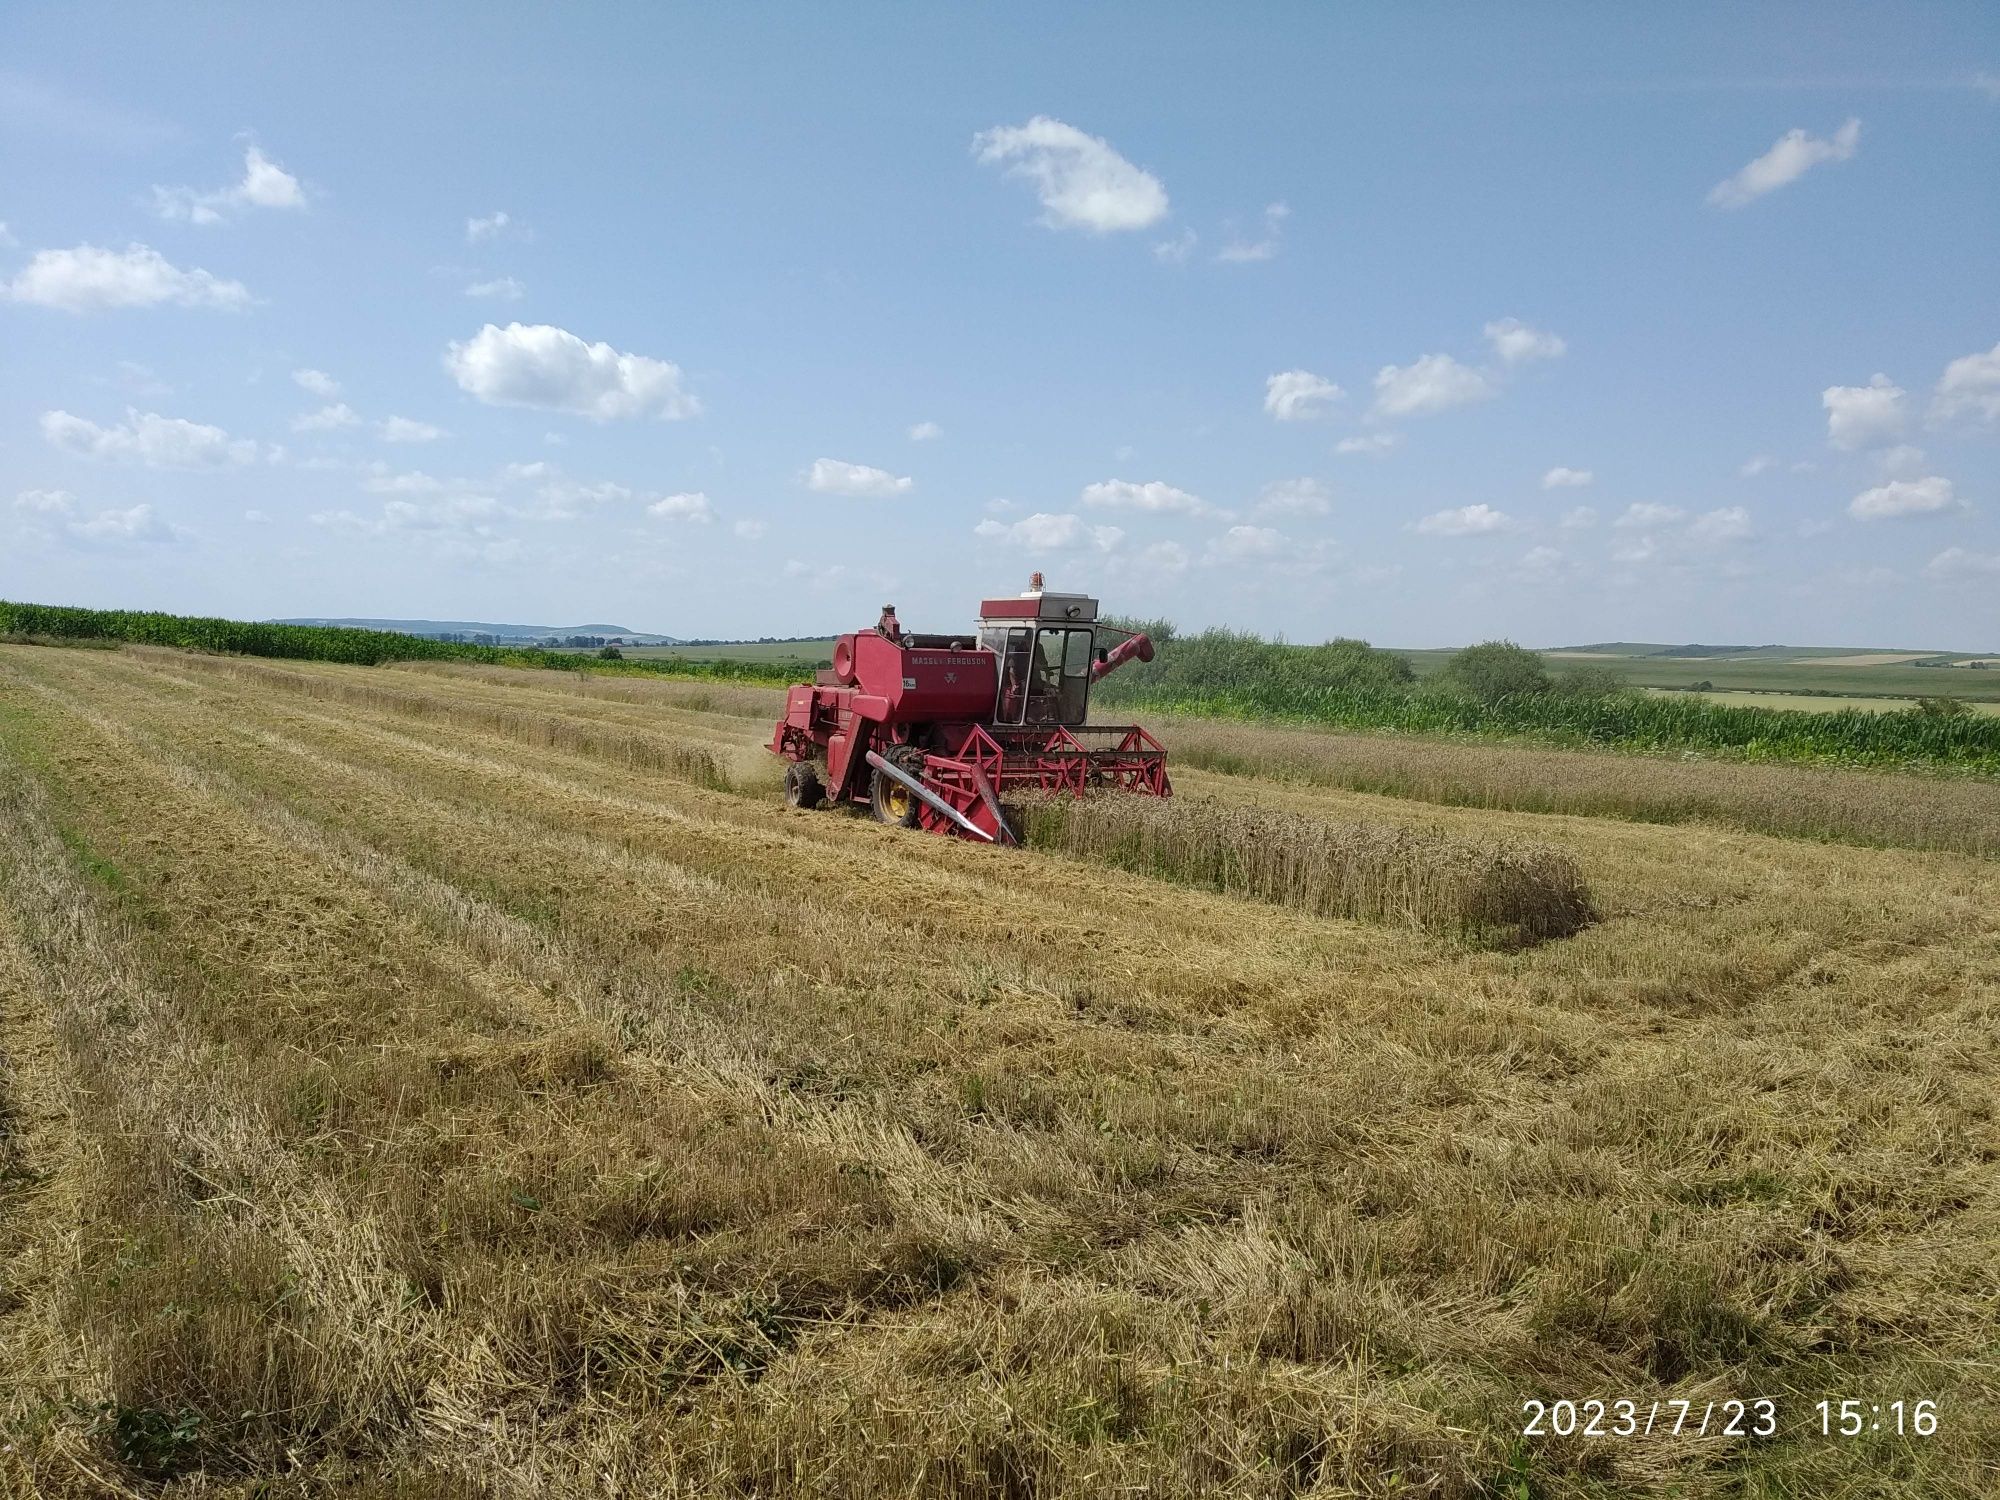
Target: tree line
{"points": [[347, 644]]}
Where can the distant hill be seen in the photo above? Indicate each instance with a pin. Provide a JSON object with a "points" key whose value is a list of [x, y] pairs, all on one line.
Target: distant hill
{"points": [[499, 631], [1736, 653], [1656, 648]]}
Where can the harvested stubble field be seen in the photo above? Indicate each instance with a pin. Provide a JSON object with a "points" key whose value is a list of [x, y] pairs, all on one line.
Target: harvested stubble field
{"points": [[464, 1082]]}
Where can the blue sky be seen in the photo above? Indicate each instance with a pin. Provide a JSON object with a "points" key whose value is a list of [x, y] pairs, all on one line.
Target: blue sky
{"points": [[1425, 324]]}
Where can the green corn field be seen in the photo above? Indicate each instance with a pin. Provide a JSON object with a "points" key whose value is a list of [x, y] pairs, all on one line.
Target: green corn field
{"points": [[1852, 736], [1351, 685]]}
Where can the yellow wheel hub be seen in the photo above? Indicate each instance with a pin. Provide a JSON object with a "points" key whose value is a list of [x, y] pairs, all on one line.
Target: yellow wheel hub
{"points": [[897, 801]]}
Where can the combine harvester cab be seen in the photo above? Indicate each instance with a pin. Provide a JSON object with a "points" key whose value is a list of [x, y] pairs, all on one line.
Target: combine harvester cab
{"points": [[931, 731]]}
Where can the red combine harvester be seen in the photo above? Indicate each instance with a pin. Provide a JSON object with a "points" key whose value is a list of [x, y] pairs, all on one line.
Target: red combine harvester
{"points": [[930, 731]]}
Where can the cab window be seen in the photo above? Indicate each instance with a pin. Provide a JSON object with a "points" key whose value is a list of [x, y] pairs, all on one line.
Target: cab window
{"points": [[1059, 687], [1011, 646]]}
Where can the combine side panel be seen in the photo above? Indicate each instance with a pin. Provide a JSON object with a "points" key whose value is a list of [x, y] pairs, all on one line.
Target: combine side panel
{"points": [[792, 739], [846, 763]]}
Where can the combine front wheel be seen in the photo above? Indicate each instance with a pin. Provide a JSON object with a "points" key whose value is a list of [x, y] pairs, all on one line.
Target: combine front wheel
{"points": [[802, 785], [891, 801]]}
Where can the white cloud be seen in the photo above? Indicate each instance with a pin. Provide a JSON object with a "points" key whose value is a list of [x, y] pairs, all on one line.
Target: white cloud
{"points": [[501, 288], [750, 531], [1435, 382], [1296, 395], [1862, 416], [147, 438], [486, 228], [88, 279], [121, 527], [566, 499], [31, 107], [460, 522], [1243, 544], [1176, 250], [834, 476], [1560, 478], [1969, 389], [1643, 515], [1636, 550], [1374, 442], [407, 430], [28, 104], [1795, 154], [1265, 248], [138, 380], [317, 383], [326, 419], [1728, 524], [1541, 564], [46, 502], [1582, 518], [265, 184], [1154, 496], [1905, 497], [1956, 563], [925, 432], [414, 482], [1516, 343], [1081, 181], [1760, 464], [1169, 559], [1466, 520], [1876, 578], [1293, 497], [467, 511], [839, 577], [1042, 532], [690, 505], [550, 368]]}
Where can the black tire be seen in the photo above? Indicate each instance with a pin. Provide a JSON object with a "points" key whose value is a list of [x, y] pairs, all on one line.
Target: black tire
{"points": [[890, 800], [802, 786]]}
